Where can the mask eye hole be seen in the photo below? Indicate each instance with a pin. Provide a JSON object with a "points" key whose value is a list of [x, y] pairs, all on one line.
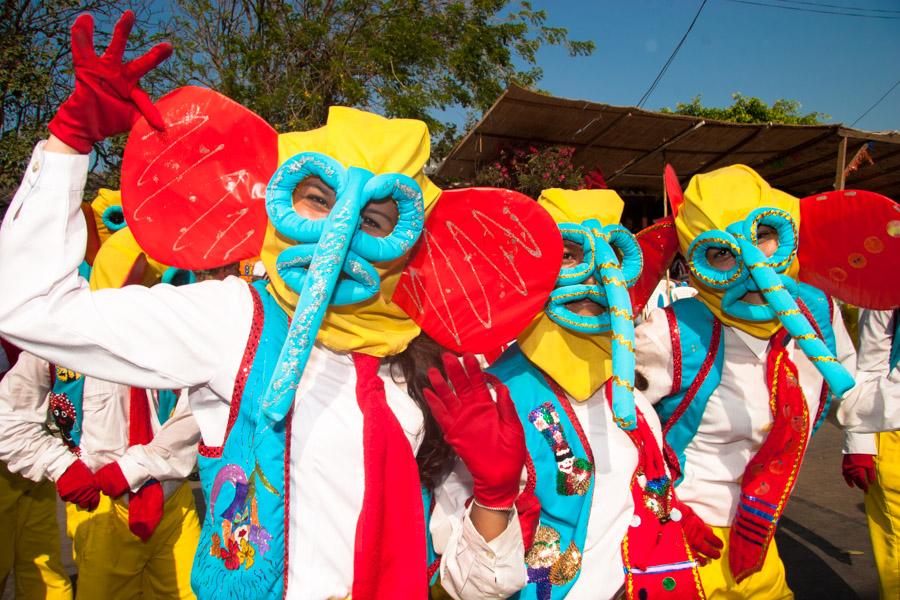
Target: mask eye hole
{"points": [[772, 230], [573, 254], [380, 217], [720, 259], [313, 198], [714, 259]]}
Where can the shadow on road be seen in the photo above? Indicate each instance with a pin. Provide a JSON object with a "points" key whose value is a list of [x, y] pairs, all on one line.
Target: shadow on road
{"points": [[809, 576]]}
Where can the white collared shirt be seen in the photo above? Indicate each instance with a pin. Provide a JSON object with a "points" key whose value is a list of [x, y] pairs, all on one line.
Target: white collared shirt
{"points": [[737, 416]]}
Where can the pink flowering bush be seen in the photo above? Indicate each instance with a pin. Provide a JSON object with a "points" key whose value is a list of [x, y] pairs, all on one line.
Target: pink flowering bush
{"points": [[530, 170]]}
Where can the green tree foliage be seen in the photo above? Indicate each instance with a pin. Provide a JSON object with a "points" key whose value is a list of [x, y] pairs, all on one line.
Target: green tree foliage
{"points": [[290, 60], [36, 76], [747, 109]]}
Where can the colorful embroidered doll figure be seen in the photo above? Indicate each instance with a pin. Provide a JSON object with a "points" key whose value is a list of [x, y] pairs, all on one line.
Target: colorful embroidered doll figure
{"points": [[574, 477], [548, 565], [63, 414]]}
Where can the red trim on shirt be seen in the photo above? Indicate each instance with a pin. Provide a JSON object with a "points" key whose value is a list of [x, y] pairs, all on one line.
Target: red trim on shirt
{"points": [[701, 377], [675, 336], [256, 327]]}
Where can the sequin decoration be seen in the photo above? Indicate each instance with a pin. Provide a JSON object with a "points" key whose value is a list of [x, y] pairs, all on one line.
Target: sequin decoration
{"points": [[658, 497], [573, 476], [547, 565], [62, 411]]}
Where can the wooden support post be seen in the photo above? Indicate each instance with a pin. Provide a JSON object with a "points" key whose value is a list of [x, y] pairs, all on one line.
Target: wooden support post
{"points": [[841, 164]]}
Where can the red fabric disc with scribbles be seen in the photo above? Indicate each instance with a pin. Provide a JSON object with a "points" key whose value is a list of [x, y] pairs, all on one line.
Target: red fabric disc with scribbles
{"points": [[194, 194], [849, 244], [483, 269]]}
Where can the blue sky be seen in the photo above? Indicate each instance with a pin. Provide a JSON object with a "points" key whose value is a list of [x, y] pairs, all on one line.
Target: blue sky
{"points": [[832, 64]]}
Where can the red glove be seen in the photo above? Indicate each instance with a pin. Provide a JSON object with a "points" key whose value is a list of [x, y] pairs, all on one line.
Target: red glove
{"points": [[486, 435], [859, 470], [107, 99], [699, 535], [77, 485], [145, 510], [111, 480]]}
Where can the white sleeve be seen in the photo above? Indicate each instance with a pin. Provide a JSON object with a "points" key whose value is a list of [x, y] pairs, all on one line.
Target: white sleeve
{"points": [[171, 455], [159, 338], [26, 445], [470, 566], [653, 356], [873, 404]]}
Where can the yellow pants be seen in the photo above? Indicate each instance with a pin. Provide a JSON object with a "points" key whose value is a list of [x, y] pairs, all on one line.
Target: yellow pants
{"points": [[883, 512], [29, 538], [114, 563], [766, 584]]}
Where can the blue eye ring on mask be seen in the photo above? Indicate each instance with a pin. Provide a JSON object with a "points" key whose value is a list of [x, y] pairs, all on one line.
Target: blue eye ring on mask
{"points": [[579, 235], [280, 193], [632, 261], [361, 282], [114, 218], [783, 224], [407, 194], [705, 272]]}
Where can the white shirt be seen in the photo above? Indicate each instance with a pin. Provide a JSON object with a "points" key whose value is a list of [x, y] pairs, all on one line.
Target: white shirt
{"points": [[29, 448], [877, 406], [737, 416], [194, 337], [612, 505]]}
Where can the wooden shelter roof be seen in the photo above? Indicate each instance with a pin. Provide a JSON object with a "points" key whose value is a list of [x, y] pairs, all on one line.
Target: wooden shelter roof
{"points": [[631, 146]]}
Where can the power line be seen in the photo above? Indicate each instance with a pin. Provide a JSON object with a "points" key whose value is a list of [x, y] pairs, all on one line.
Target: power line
{"points": [[896, 83], [671, 58], [844, 7], [813, 10]]}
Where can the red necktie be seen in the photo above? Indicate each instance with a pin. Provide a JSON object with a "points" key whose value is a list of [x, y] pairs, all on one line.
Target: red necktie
{"points": [[145, 507], [390, 556]]}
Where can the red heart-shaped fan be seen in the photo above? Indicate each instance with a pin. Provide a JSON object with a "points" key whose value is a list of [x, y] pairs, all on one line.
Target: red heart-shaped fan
{"points": [[485, 266], [194, 194], [849, 244]]}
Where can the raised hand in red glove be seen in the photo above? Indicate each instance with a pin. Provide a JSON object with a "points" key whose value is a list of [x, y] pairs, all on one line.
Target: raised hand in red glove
{"points": [[859, 470], [111, 480], [486, 435], [107, 99], [77, 485], [699, 535]]}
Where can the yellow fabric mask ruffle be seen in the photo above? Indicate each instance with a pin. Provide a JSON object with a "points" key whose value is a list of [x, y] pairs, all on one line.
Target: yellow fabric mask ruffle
{"points": [[717, 199], [578, 362], [359, 139], [115, 260], [105, 198]]}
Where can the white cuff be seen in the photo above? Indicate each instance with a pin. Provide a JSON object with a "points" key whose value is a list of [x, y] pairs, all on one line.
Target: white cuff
{"points": [[57, 171], [859, 443], [59, 466], [134, 473]]}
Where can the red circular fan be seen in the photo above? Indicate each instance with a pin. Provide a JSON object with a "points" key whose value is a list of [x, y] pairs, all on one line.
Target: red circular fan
{"points": [[485, 266], [849, 247], [194, 194]]}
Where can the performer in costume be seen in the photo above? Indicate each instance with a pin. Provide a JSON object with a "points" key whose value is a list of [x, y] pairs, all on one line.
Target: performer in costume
{"points": [[324, 505], [130, 443], [608, 519], [740, 442], [879, 475], [29, 527]]}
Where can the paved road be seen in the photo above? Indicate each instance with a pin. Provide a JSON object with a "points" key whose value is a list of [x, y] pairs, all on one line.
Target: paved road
{"points": [[823, 537]]}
